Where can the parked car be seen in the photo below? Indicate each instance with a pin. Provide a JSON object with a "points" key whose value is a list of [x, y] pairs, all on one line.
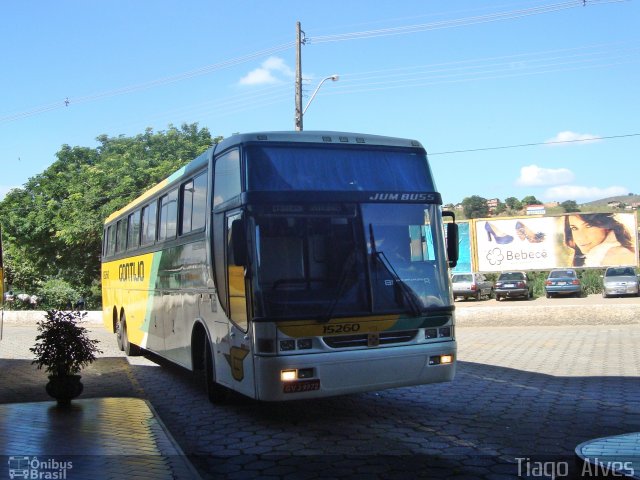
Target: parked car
{"points": [[620, 281], [513, 284], [563, 281], [471, 285]]}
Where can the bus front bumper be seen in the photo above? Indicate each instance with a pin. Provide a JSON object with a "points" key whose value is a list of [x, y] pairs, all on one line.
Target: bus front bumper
{"points": [[342, 372]]}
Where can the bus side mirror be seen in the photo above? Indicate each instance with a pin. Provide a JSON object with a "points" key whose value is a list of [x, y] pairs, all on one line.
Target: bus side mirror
{"points": [[239, 243], [452, 239]]}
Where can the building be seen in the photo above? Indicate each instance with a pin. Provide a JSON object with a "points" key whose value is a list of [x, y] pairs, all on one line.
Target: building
{"points": [[535, 210]]}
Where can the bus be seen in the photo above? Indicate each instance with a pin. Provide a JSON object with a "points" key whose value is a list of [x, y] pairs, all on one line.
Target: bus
{"points": [[289, 265]]}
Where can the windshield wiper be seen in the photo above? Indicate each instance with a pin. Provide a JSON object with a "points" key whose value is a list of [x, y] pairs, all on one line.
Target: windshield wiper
{"points": [[342, 283], [407, 293]]}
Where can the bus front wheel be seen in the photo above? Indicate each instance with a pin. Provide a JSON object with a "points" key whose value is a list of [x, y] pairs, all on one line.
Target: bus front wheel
{"points": [[216, 393]]}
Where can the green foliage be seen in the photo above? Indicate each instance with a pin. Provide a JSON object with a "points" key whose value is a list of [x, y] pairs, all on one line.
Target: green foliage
{"points": [[591, 281], [537, 279], [530, 200], [475, 207], [500, 209], [63, 347], [513, 203], [57, 293], [53, 226], [570, 206]]}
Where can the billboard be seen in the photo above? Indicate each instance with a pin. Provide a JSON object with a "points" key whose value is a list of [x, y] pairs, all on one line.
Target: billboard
{"points": [[578, 240], [464, 248]]}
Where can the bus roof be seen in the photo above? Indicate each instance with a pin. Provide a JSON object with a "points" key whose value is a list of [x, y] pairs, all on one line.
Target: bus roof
{"points": [[321, 136]]}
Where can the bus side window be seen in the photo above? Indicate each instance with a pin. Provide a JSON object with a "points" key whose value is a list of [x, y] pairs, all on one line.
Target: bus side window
{"points": [[186, 192], [111, 240], [227, 177], [121, 235], [149, 223], [133, 239], [168, 216], [194, 201]]}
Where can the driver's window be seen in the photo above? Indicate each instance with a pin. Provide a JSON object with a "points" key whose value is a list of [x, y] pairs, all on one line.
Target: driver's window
{"points": [[237, 292]]}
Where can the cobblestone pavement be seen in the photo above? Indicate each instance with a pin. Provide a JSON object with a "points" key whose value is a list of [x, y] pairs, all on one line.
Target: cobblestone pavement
{"points": [[521, 392]]}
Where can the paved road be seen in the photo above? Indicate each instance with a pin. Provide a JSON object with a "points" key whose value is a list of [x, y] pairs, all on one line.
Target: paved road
{"points": [[520, 392]]}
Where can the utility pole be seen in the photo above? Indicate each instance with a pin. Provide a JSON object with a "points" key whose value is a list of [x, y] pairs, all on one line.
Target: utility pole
{"points": [[299, 42]]}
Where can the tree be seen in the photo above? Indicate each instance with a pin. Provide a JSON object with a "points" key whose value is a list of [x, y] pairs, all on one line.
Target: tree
{"points": [[513, 203], [53, 225], [475, 207], [570, 206], [530, 200], [500, 208]]}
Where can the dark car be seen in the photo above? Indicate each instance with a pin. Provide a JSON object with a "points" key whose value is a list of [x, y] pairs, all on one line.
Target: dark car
{"points": [[471, 285], [620, 281], [563, 281], [513, 285]]}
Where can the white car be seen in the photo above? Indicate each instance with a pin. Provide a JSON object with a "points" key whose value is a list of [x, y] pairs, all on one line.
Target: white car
{"points": [[620, 281]]}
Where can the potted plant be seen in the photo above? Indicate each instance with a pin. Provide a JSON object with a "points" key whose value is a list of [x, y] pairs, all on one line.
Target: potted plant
{"points": [[63, 348]]}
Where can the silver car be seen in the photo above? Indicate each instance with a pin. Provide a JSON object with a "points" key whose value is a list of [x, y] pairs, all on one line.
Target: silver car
{"points": [[620, 281], [471, 285]]}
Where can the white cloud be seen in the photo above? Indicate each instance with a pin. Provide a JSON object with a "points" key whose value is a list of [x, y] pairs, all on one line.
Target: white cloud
{"points": [[278, 64], [584, 194], [532, 175], [270, 71], [568, 137]]}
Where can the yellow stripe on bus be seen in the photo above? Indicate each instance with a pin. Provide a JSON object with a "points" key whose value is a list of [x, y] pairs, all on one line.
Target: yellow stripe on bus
{"points": [[339, 326]]}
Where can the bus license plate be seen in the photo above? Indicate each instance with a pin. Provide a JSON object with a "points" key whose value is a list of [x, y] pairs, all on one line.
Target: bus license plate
{"points": [[304, 386]]}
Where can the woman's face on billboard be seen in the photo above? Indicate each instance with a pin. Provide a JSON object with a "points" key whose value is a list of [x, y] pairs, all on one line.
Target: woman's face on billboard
{"points": [[584, 235]]}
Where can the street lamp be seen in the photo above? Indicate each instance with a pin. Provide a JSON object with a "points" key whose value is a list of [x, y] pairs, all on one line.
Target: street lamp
{"points": [[333, 78]]}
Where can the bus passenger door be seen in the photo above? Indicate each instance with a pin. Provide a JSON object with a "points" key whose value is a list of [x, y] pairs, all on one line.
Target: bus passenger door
{"points": [[239, 359]]}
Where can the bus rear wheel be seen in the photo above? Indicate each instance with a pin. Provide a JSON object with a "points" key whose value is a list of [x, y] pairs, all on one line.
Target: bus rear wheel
{"points": [[129, 348], [119, 335]]}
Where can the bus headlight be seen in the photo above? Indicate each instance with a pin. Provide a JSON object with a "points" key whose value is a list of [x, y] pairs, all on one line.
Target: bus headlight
{"points": [[441, 359], [288, 375]]}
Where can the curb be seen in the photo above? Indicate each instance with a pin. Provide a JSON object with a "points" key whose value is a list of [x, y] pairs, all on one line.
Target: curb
{"points": [[31, 317]]}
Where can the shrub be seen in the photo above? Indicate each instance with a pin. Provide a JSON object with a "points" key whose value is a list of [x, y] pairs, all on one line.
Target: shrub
{"points": [[63, 347], [591, 281], [57, 294]]}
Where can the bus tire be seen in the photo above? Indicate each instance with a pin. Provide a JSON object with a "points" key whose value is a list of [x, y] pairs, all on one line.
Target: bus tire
{"points": [[216, 393], [119, 335], [129, 348]]}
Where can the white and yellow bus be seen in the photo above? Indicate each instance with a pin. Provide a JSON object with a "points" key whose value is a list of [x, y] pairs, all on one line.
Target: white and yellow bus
{"points": [[288, 265]]}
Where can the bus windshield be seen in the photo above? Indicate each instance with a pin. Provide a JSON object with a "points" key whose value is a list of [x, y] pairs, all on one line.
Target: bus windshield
{"points": [[324, 262], [337, 168]]}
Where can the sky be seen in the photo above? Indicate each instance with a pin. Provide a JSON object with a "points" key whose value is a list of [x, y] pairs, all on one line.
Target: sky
{"points": [[510, 97]]}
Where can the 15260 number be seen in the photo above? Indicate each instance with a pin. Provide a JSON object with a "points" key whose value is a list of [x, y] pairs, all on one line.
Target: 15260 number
{"points": [[341, 328]]}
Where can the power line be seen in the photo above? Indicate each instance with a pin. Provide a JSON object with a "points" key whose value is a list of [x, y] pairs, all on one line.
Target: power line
{"points": [[147, 85], [556, 142], [320, 39], [493, 17]]}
